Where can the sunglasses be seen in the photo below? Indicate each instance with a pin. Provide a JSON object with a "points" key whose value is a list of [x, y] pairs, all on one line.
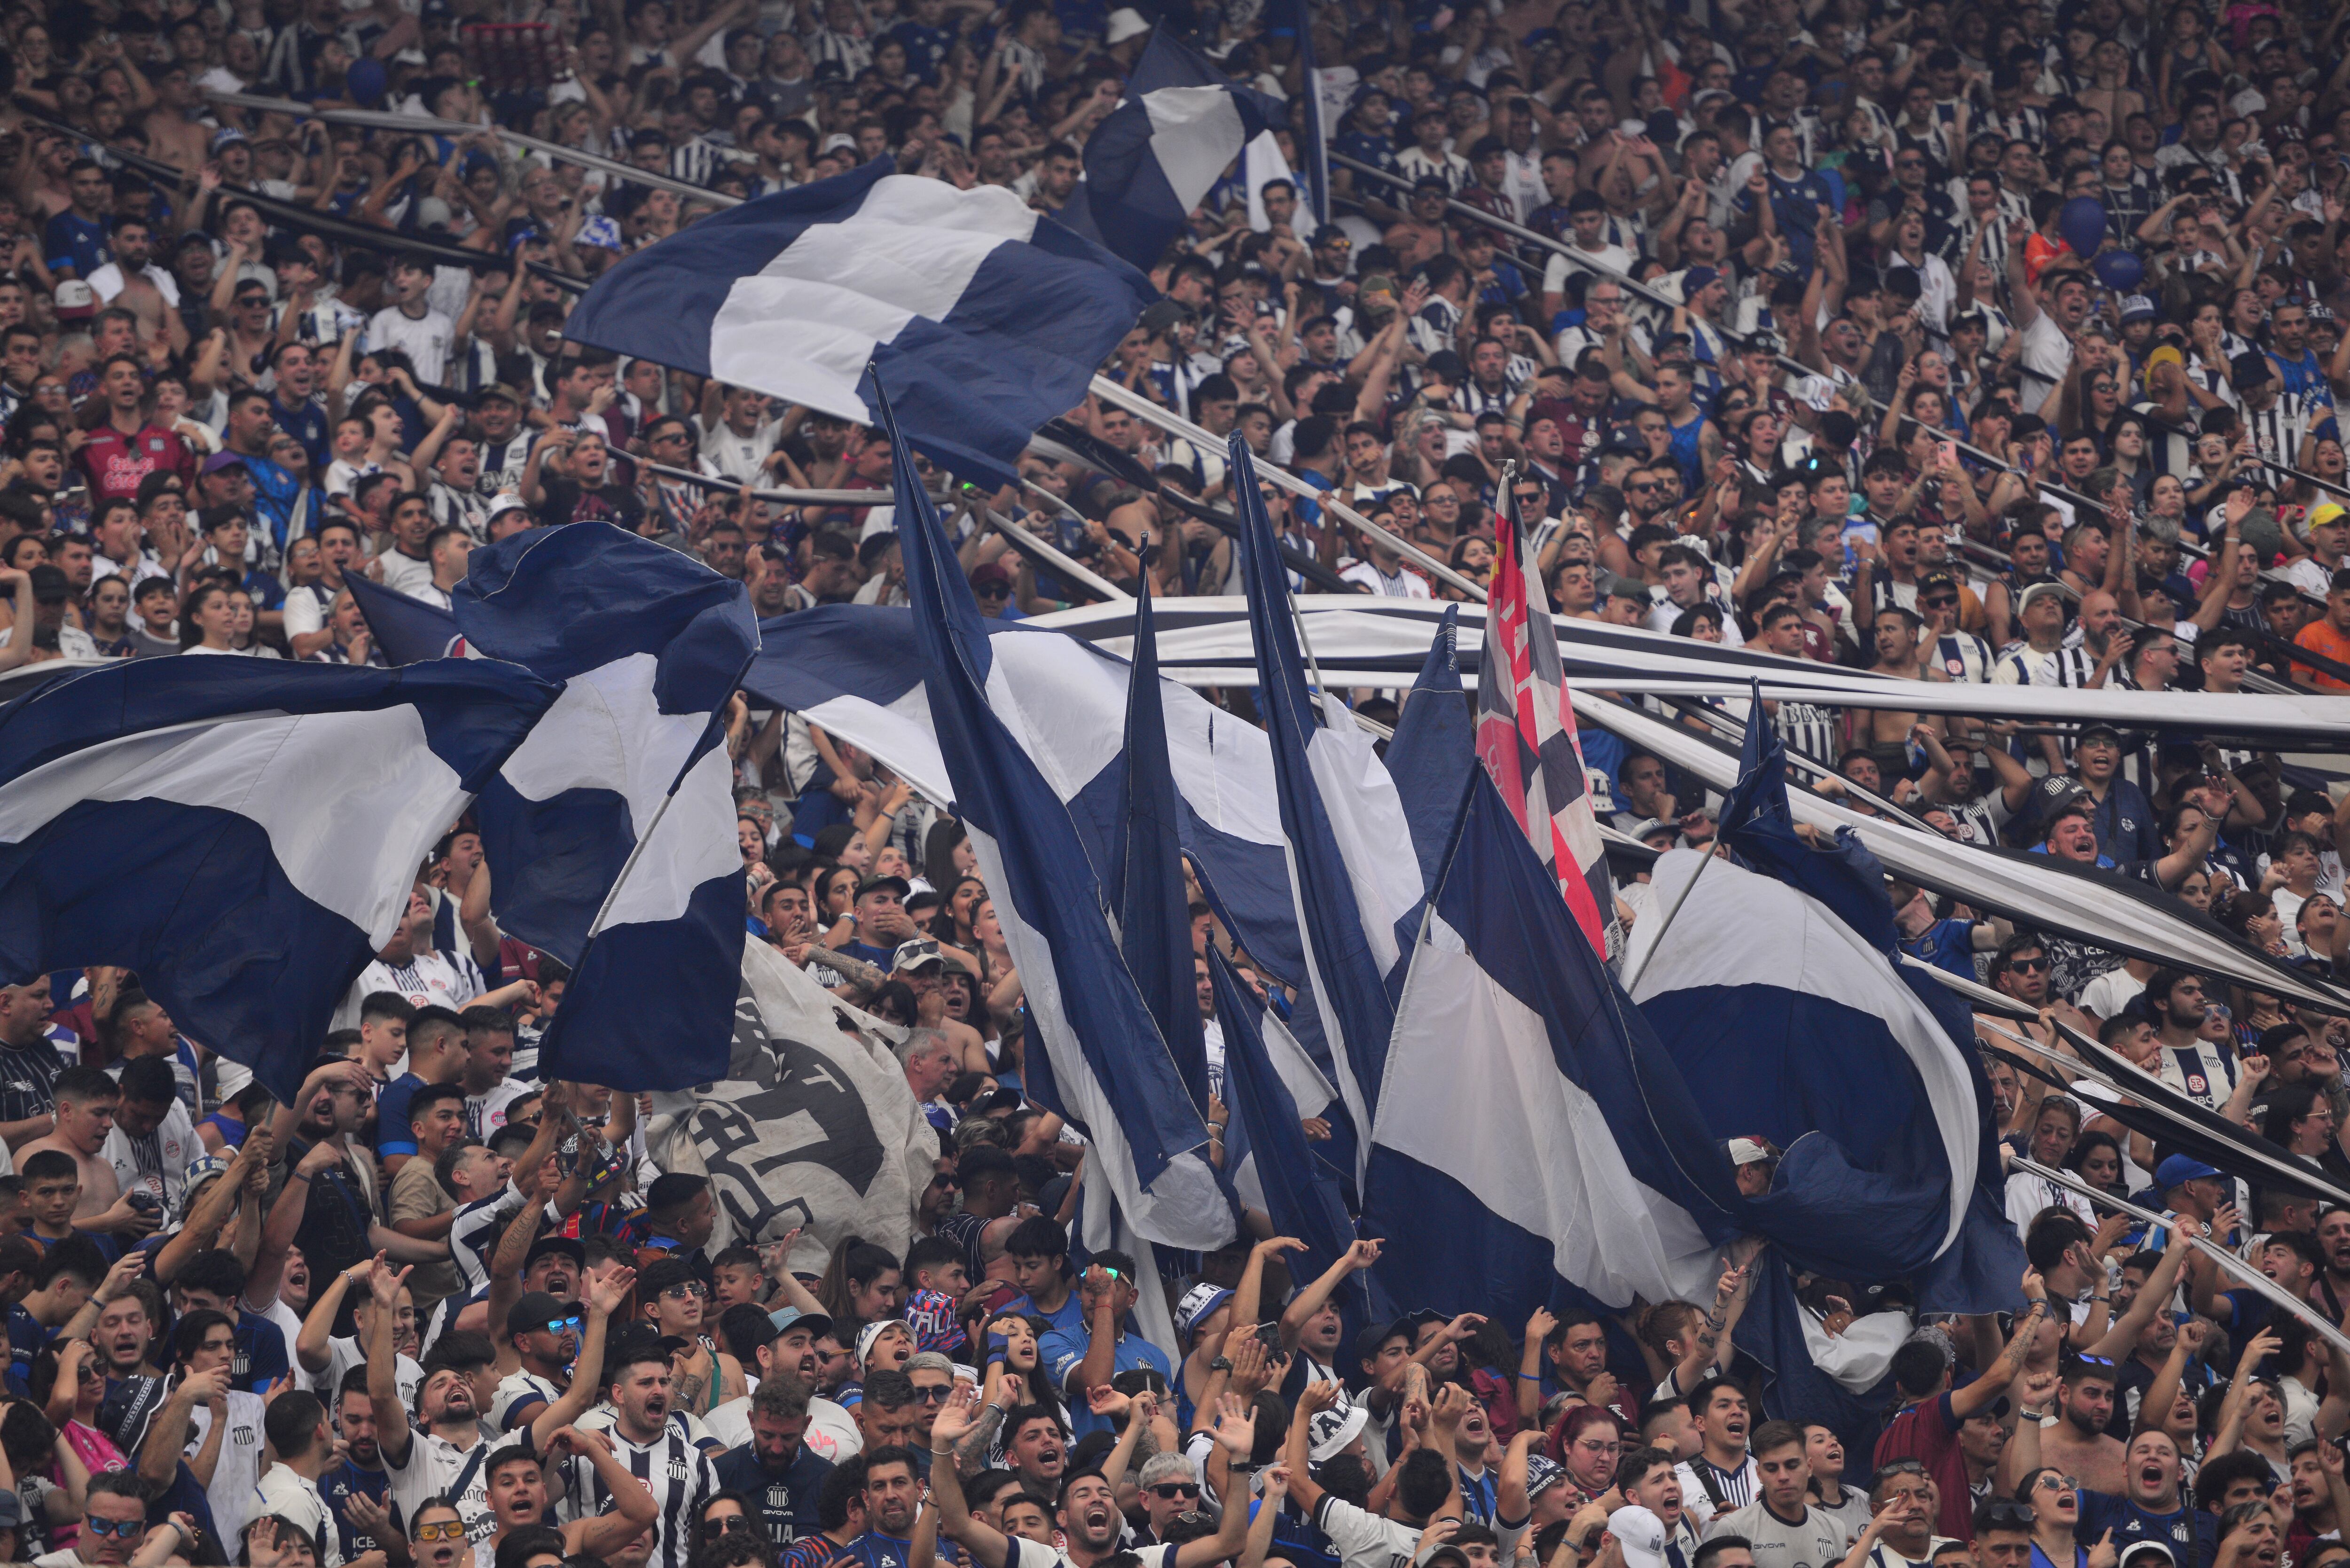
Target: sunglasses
{"points": [[1643, 484], [2008, 1515], [563, 1325], [688, 1288], [937, 1395], [733, 1524], [1172, 1490], [2029, 966], [450, 1530], [125, 1528], [995, 591]]}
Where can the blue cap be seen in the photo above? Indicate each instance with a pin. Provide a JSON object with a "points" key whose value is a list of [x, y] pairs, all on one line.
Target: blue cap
{"points": [[2180, 1169], [815, 1323]]}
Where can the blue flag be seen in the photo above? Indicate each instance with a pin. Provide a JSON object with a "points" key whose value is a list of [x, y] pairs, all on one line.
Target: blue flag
{"points": [[243, 833], [609, 834], [987, 319], [1154, 157], [1112, 1067], [1346, 975]]}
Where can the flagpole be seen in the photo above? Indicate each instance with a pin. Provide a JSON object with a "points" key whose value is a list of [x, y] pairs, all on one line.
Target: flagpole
{"points": [[1680, 898]]}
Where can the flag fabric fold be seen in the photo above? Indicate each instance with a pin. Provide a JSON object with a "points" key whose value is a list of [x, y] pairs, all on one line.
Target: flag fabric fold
{"points": [[1111, 1069], [242, 834], [1339, 816], [609, 834], [987, 317]]}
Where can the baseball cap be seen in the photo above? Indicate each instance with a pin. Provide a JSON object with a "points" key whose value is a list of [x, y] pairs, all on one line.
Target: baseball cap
{"points": [[222, 461], [2106, 732], [74, 301], [1695, 279], [989, 572], [2180, 1169], [876, 884], [815, 1323], [1125, 23], [1331, 1430], [1752, 1150], [1198, 1304], [555, 1247], [2039, 589], [1164, 314], [599, 232], [920, 952], [1647, 827], [1640, 1535], [507, 501], [227, 136], [2052, 796], [536, 1310], [2331, 511], [1939, 578], [2136, 307], [498, 390], [2144, 1554], [2249, 370]]}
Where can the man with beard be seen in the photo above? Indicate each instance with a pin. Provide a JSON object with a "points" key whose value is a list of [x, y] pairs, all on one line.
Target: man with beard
{"points": [[2332, 1287], [776, 1469], [443, 1459], [2197, 1067], [1088, 1514], [354, 1488], [649, 1444], [832, 1432], [2077, 1443]]}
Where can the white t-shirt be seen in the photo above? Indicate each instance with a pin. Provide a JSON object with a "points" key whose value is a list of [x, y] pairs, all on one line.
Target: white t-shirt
{"points": [[289, 1495], [230, 1494], [157, 1162], [425, 340], [2048, 357], [1815, 1541], [429, 979], [2110, 993], [406, 573], [1402, 585], [832, 1433]]}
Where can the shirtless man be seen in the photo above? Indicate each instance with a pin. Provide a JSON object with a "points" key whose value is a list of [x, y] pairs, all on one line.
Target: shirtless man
{"points": [[87, 1099], [1886, 731]]}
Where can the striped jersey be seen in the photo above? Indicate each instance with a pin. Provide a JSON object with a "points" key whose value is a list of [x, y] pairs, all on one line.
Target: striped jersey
{"points": [[679, 1475]]}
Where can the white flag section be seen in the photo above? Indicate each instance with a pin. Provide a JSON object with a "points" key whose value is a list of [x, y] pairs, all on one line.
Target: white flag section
{"points": [[812, 1126], [1463, 1045], [1262, 162]]}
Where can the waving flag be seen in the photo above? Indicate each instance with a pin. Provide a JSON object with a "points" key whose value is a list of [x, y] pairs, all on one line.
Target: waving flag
{"points": [[243, 833], [1531, 1130], [1526, 737], [1295, 17], [1110, 1067], [609, 834], [1271, 1087], [987, 320], [1157, 155], [1780, 994], [1434, 749], [1342, 816], [1154, 917]]}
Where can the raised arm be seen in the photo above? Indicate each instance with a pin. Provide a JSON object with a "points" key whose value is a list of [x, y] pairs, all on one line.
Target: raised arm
{"points": [[1358, 1257], [987, 1544]]}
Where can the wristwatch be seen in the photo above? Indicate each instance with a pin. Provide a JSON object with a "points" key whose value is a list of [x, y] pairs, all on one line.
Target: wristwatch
{"points": [[1221, 1363]]}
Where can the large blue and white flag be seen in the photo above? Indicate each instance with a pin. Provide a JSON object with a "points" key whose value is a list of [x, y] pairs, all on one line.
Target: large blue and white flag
{"points": [[1780, 994], [1111, 1069], [1338, 808], [1434, 749], [854, 671], [988, 320], [244, 834], [1154, 157], [1531, 1131], [609, 834]]}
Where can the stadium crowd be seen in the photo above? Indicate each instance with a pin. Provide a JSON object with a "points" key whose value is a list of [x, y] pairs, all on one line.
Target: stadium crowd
{"points": [[1956, 341]]}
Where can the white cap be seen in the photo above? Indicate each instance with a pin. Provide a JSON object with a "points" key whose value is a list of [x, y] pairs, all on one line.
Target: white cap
{"points": [[1748, 1151], [1125, 23], [1640, 1534], [1329, 1431]]}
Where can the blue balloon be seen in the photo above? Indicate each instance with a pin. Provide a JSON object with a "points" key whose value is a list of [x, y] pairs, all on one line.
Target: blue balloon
{"points": [[2083, 224], [2120, 271]]}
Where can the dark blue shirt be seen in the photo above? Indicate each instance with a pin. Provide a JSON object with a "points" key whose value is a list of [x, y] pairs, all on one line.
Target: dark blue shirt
{"points": [[74, 241], [787, 1502], [307, 424], [2189, 1526], [339, 1486], [27, 1340], [1948, 945], [392, 1134]]}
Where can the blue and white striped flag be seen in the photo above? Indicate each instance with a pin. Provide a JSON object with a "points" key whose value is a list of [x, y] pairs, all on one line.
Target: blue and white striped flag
{"points": [[1154, 157], [609, 834], [1110, 1067], [987, 319], [1531, 1130], [243, 833]]}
